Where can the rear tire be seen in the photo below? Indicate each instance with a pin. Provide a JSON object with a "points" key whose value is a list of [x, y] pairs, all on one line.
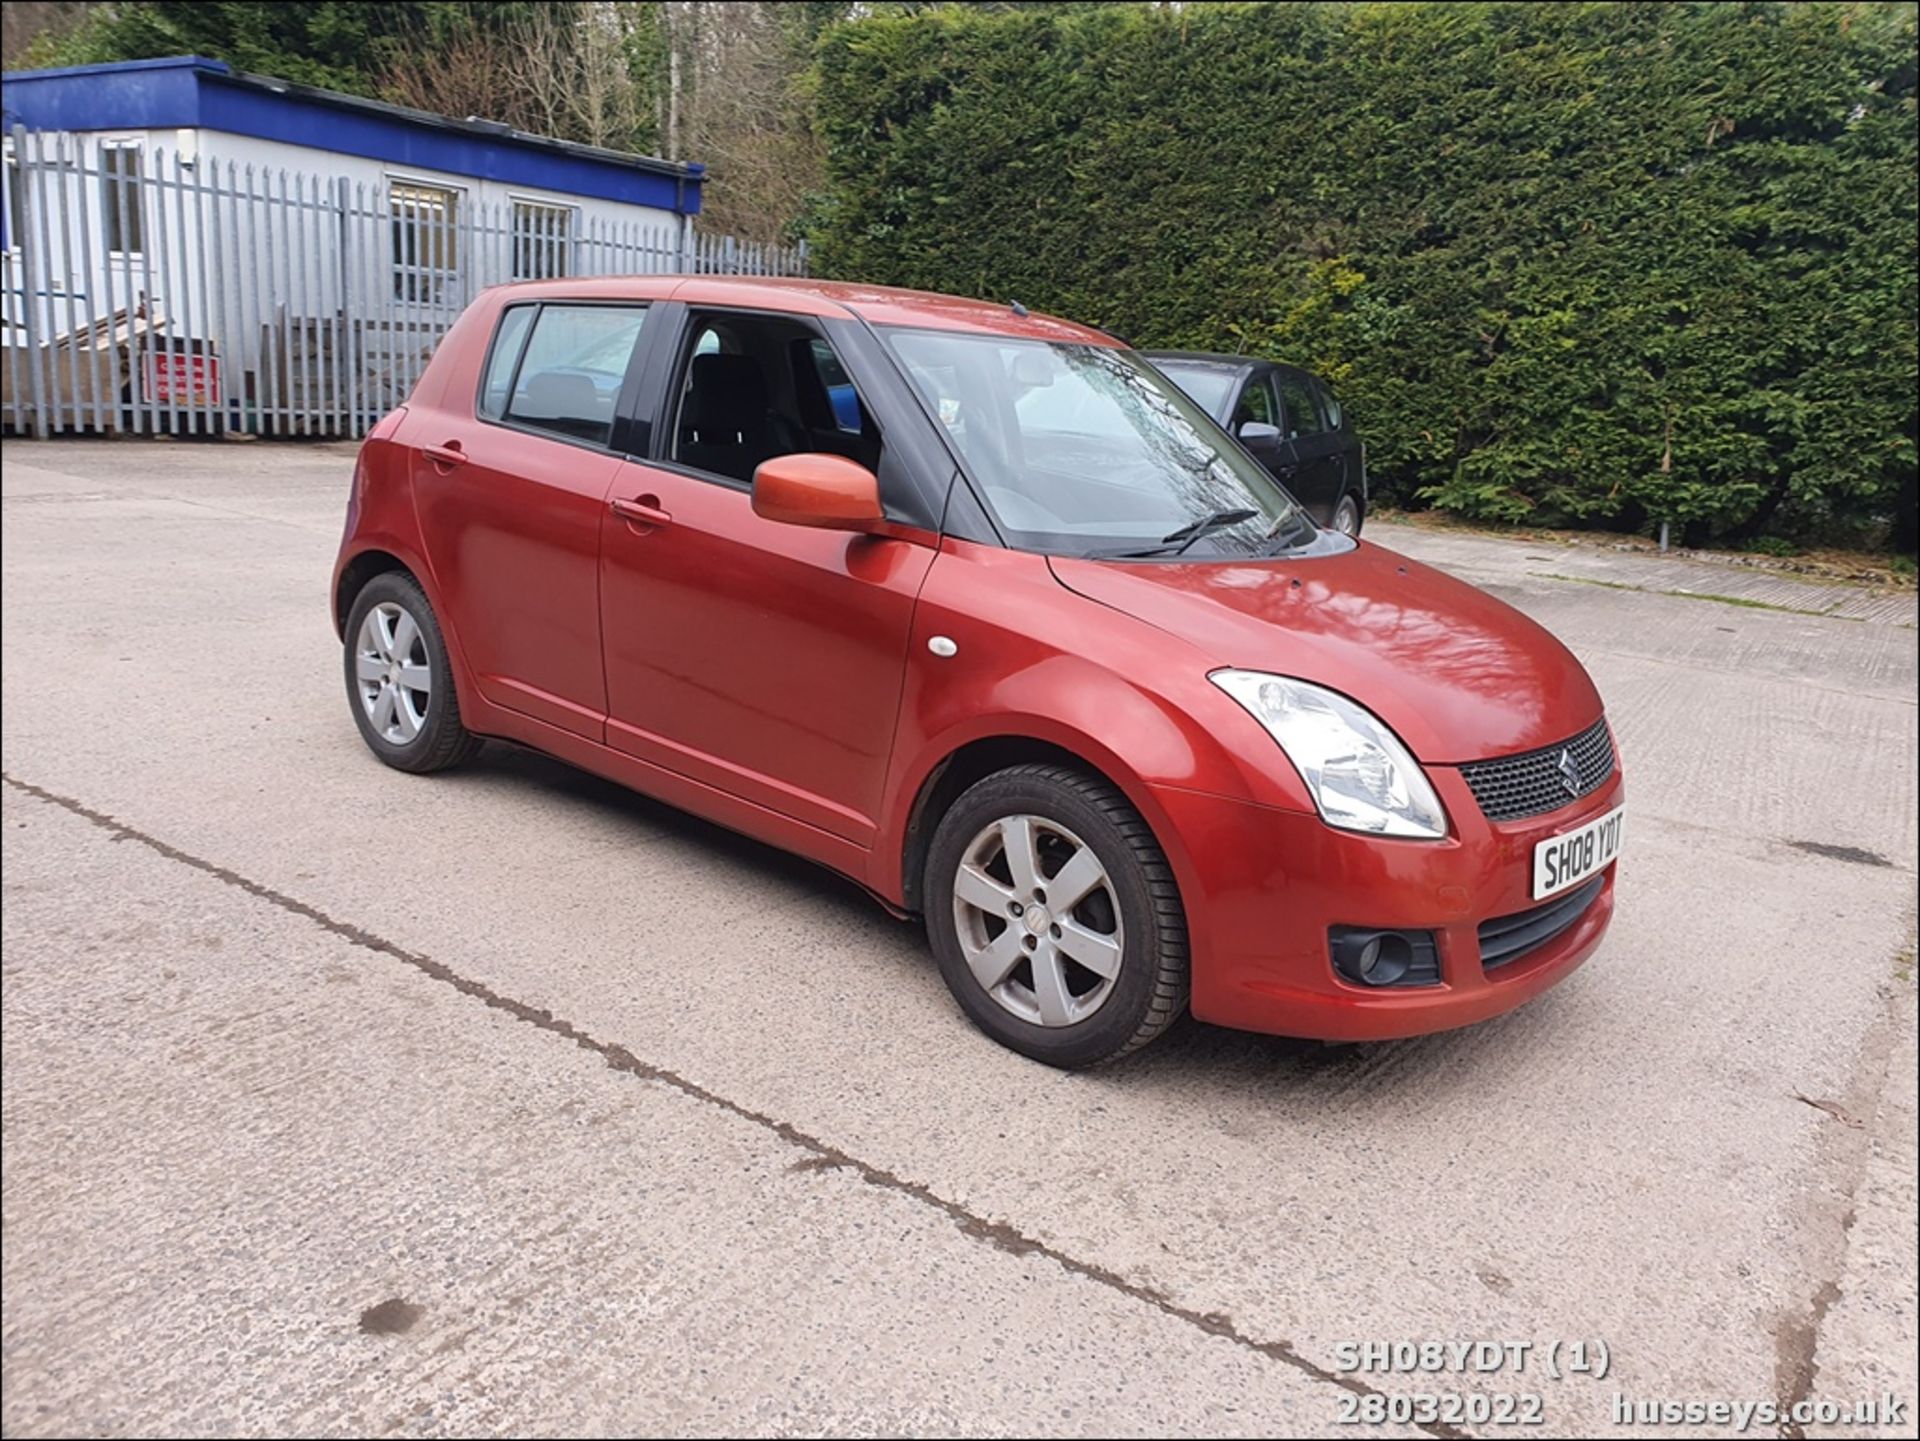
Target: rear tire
{"points": [[1055, 917], [399, 681]]}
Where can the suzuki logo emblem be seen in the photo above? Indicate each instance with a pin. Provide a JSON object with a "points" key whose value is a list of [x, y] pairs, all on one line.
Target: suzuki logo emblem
{"points": [[1569, 772]]}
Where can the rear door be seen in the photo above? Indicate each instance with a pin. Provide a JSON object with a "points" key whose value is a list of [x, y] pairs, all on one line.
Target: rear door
{"points": [[511, 475], [1309, 447], [1353, 465]]}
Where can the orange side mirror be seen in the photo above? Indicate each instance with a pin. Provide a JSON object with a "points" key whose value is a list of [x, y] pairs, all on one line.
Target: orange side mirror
{"points": [[818, 489]]}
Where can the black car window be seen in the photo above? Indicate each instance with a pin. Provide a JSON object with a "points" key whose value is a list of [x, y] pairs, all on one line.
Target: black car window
{"points": [[575, 363], [1296, 401], [1255, 404], [1329, 403]]}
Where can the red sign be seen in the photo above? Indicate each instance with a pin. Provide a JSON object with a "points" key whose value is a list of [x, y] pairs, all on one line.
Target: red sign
{"points": [[174, 378]]}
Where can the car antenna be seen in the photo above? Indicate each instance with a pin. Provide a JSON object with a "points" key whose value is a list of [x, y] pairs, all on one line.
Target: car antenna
{"points": [[1017, 308]]}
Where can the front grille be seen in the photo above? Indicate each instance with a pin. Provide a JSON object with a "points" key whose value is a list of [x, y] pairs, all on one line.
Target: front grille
{"points": [[1509, 938], [1514, 787]]}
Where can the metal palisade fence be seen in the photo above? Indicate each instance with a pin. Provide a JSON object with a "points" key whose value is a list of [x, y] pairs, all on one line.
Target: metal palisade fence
{"points": [[146, 292]]}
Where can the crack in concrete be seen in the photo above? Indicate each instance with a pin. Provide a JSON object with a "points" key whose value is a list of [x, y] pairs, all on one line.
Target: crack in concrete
{"points": [[823, 1155], [1843, 1152]]}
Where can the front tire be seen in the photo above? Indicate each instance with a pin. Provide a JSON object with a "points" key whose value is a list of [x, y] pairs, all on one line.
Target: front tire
{"points": [[1348, 515], [1055, 918], [399, 682]]}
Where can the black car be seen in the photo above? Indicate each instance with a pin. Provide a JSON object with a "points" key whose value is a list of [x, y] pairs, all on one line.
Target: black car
{"points": [[1290, 422]]}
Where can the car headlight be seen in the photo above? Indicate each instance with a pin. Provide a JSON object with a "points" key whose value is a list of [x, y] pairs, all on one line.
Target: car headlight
{"points": [[1361, 777]]}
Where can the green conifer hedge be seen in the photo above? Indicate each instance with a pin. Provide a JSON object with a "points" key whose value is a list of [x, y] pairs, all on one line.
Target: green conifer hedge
{"points": [[1566, 263]]}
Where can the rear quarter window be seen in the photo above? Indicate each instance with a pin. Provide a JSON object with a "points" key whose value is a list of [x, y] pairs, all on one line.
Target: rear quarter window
{"points": [[509, 339]]}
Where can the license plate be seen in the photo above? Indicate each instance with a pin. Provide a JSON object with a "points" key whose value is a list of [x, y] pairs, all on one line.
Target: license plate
{"points": [[1566, 860]]}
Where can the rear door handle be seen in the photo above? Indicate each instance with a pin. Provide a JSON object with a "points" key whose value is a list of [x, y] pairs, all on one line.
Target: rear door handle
{"points": [[448, 454], [643, 510]]}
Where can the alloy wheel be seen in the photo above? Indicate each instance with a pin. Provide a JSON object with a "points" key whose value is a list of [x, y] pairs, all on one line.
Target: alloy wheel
{"points": [[393, 675], [1038, 920]]}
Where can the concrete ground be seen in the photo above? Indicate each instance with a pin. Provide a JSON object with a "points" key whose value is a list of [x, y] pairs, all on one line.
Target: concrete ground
{"points": [[342, 1101]]}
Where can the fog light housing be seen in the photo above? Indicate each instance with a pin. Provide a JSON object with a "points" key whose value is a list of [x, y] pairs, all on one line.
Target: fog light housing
{"points": [[1382, 959]]}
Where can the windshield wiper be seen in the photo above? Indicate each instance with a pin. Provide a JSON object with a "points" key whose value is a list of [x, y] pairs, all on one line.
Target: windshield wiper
{"points": [[1176, 542]]}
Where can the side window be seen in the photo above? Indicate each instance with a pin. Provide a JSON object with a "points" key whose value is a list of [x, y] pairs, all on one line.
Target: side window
{"points": [[542, 240], [1255, 404], [120, 197], [1302, 416], [833, 377], [1329, 403], [426, 231], [508, 341], [16, 232], [758, 386], [575, 363]]}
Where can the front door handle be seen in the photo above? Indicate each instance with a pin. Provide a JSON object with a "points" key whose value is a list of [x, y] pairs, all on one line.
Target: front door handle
{"points": [[642, 510], [449, 454]]}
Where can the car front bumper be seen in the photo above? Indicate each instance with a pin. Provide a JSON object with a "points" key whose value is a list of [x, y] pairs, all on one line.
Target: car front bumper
{"points": [[1263, 887]]}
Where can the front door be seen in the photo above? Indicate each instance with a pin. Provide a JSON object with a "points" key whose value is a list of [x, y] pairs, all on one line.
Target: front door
{"points": [[760, 658], [1255, 411]]}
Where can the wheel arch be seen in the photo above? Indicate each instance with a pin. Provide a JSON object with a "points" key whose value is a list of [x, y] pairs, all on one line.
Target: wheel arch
{"points": [[975, 759], [354, 575], [381, 556]]}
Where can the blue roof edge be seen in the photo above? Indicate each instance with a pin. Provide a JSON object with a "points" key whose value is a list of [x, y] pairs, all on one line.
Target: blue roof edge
{"points": [[216, 97], [115, 67]]}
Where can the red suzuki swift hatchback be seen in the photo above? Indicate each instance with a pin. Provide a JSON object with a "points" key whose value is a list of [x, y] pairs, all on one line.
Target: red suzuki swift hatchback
{"points": [[978, 609]]}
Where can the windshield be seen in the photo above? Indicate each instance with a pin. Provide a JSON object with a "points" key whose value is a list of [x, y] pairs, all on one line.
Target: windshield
{"points": [[1207, 384], [1087, 450]]}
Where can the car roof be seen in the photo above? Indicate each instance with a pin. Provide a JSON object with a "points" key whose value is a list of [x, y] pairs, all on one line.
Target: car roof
{"points": [[878, 304]]}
